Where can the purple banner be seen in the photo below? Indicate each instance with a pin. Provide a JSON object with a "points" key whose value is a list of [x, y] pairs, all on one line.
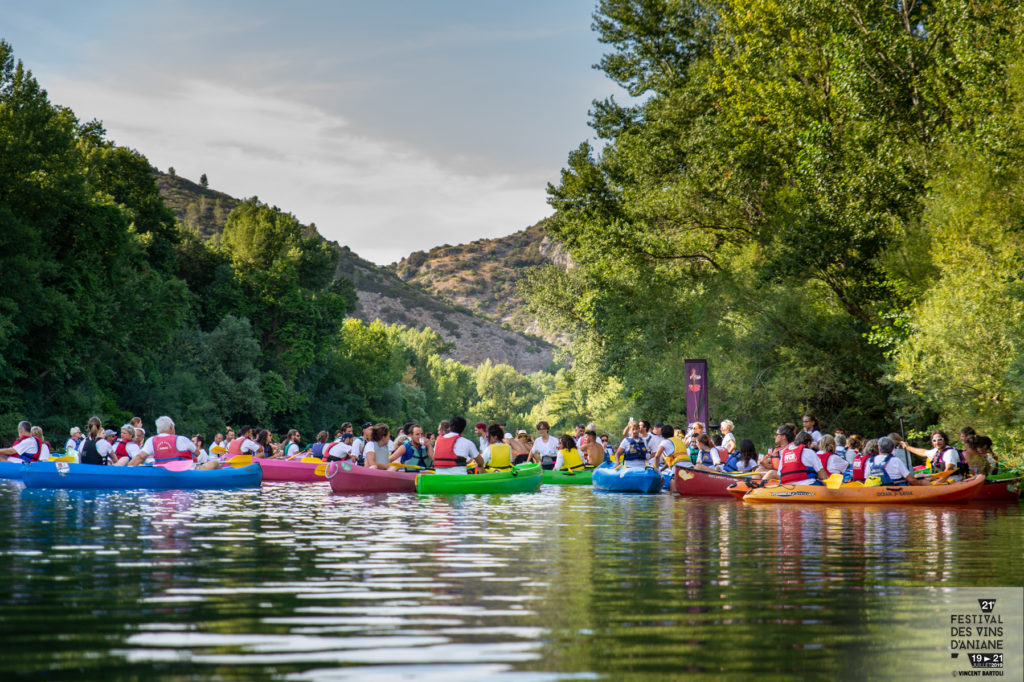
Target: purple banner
{"points": [[696, 392]]}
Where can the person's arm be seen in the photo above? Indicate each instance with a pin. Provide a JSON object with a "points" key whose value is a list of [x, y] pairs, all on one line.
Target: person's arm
{"points": [[397, 455], [920, 452]]}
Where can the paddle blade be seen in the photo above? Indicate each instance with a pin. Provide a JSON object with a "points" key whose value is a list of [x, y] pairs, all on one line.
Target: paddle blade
{"points": [[321, 470], [834, 481], [177, 465], [311, 460], [239, 461]]}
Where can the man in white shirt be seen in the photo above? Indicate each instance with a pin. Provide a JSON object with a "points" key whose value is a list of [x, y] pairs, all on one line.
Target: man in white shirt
{"points": [[26, 449], [167, 446], [481, 435], [545, 447], [453, 452], [358, 444]]}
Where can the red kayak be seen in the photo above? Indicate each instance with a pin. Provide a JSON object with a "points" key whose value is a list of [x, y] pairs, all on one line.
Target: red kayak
{"points": [[697, 483], [346, 477], [999, 490]]}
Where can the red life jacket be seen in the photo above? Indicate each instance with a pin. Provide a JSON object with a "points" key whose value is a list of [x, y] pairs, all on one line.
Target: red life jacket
{"points": [[235, 446], [165, 449], [444, 453], [793, 468], [857, 468], [120, 448], [31, 457]]}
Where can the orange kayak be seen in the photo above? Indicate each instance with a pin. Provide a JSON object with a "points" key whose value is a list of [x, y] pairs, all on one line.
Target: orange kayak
{"points": [[897, 494]]}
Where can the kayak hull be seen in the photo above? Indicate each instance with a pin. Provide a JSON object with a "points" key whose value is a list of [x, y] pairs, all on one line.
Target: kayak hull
{"points": [[10, 470], [283, 470], [346, 477], [68, 475], [523, 478], [561, 477], [697, 483], [904, 494], [644, 481], [1000, 490]]}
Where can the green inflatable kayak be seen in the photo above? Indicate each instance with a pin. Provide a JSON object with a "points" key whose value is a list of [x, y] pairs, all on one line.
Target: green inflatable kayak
{"points": [[522, 479], [567, 477]]}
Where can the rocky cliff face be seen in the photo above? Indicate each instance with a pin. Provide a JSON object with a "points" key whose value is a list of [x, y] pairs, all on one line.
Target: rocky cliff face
{"points": [[383, 295]]}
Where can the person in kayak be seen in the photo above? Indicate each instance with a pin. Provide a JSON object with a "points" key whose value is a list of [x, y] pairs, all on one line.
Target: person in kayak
{"points": [[95, 448], [44, 449], [413, 454], [593, 451], [74, 442], [798, 464], [632, 452], [890, 469], [941, 457], [670, 448], [709, 457], [728, 437], [453, 452], [244, 444], [497, 452], [743, 460], [833, 462], [375, 452], [26, 448], [569, 457], [812, 428], [545, 447], [339, 450], [125, 448], [167, 446]]}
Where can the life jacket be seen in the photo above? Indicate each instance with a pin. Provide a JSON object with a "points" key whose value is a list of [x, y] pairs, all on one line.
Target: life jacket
{"points": [[120, 448], [416, 455], [879, 470], [444, 453], [732, 464], [30, 457], [679, 448], [635, 449], [793, 468], [235, 446], [774, 458], [318, 450], [938, 466], [90, 455], [165, 449], [501, 456], [571, 460]]}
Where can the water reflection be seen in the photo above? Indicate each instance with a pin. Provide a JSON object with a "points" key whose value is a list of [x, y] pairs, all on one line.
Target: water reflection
{"points": [[293, 582]]}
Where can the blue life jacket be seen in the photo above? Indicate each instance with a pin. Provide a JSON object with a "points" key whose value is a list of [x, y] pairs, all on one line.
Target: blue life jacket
{"points": [[635, 449], [879, 470], [416, 456]]}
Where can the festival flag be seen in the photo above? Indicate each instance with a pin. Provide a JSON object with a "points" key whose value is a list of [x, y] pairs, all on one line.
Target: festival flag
{"points": [[696, 392]]}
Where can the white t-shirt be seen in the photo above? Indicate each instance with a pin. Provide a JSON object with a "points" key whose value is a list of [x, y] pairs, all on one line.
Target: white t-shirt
{"points": [[482, 440], [132, 448], [837, 464], [44, 454], [652, 441], [357, 447], [181, 444], [202, 457], [668, 448], [729, 438], [292, 449], [103, 447], [463, 448], [548, 449], [895, 468], [341, 450], [72, 444], [248, 447], [632, 463], [27, 447]]}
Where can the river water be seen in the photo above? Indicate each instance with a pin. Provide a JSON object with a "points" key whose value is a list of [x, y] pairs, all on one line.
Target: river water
{"points": [[293, 582]]}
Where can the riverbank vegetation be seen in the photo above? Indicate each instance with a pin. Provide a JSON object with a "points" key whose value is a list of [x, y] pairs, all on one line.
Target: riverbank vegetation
{"points": [[822, 198]]}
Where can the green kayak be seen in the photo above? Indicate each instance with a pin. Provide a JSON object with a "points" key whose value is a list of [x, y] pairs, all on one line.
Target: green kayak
{"points": [[524, 478], [567, 477]]}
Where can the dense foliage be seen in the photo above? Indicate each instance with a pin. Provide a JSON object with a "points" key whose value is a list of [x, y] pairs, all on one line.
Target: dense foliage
{"points": [[823, 198], [109, 307]]}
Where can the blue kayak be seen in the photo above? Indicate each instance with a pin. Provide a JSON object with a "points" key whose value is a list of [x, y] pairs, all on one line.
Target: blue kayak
{"points": [[607, 477], [69, 475], [10, 469]]}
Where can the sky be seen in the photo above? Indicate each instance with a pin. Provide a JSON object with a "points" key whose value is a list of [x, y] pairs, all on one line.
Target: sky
{"points": [[393, 126]]}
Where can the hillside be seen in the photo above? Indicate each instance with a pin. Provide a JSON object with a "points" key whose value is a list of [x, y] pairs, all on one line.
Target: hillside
{"points": [[382, 294], [483, 275]]}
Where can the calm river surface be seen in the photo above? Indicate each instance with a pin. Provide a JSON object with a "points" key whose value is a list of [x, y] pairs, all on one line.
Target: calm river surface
{"points": [[293, 582]]}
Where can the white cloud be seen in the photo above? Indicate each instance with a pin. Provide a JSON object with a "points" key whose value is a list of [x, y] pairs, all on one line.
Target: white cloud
{"points": [[380, 197]]}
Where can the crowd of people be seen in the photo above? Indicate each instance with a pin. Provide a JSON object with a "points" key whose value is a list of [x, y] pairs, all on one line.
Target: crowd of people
{"points": [[800, 455]]}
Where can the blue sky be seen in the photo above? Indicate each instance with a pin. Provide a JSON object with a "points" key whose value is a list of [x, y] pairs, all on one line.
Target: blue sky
{"points": [[394, 126]]}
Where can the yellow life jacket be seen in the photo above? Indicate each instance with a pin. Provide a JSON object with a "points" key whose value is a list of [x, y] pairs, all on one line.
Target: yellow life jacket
{"points": [[679, 451], [571, 460], [501, 456]]}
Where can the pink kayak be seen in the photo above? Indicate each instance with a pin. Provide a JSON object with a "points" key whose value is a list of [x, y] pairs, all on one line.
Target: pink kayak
{"points": [[293, 471], [346, 477]]}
